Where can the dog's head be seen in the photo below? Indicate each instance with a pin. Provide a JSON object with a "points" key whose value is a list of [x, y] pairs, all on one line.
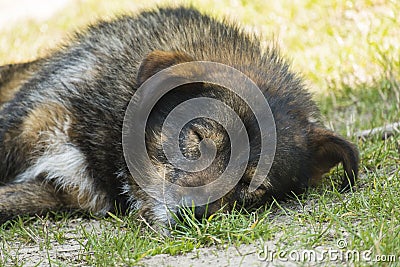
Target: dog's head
{"points": [[303, 149]]}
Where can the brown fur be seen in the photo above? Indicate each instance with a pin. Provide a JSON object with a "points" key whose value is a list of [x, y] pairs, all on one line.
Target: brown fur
{"points": [[13, 76]]}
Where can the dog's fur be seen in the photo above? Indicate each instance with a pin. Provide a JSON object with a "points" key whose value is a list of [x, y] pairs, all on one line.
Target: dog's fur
{"points": [[61, 118]]}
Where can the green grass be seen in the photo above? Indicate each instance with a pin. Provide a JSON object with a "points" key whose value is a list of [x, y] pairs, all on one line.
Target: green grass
{"points": [[349, 50]]}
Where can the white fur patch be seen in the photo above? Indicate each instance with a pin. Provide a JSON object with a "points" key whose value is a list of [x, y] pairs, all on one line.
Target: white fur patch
{"points": [[312, 119], [66, 166]]}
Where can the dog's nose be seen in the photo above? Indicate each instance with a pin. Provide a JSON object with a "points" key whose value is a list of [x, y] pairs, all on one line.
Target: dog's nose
{"points": [[188, 206], [198, 212]]}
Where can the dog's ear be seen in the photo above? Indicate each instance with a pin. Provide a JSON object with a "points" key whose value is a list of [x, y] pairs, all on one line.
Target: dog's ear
{"points": [[158, 60], [328, 150]]}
